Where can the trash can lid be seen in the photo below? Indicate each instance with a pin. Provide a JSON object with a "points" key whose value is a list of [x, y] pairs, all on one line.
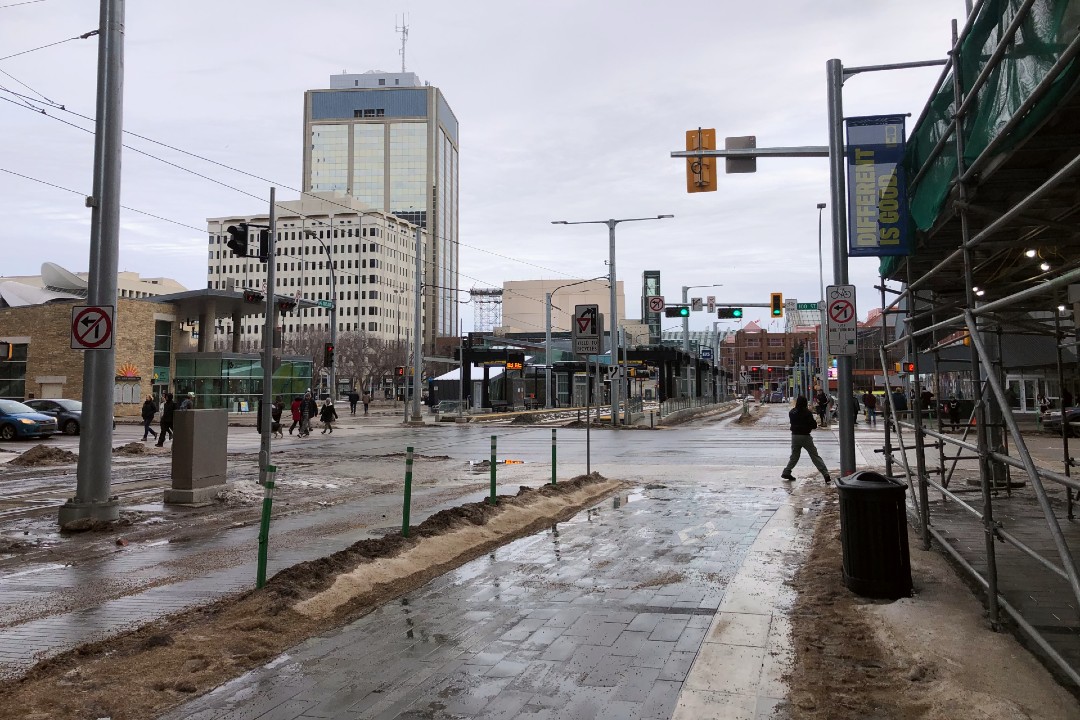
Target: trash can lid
{"points": [[870, 481]]}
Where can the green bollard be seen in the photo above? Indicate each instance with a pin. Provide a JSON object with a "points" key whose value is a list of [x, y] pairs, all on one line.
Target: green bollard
{"points": [[552, 456], [408, 492], [491, 499], [264, 525]]}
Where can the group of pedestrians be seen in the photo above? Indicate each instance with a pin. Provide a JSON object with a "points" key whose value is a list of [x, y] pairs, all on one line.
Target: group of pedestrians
{"points": [[168, 408], [355, 397]]}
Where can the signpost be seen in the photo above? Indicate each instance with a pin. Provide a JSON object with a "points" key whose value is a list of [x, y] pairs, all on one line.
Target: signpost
{"points": [[92, 327], [586, 329], [841, 320]]}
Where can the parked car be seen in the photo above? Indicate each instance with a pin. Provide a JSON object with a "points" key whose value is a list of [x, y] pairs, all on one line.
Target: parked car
{"points": [[1051, 422], [22, 421], [68, 413]]}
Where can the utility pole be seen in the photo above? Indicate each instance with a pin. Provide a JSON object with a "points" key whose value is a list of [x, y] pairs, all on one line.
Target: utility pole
{"points": [[268, 348], [93, 499], [418, 331]]}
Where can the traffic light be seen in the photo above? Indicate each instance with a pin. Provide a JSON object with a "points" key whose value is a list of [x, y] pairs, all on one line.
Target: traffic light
{"points": [[400, 371], [264, 245], [776, 304], [328, 354], [253, 296], [238, 242], [677, 311], [700, 171], [730, 313]]}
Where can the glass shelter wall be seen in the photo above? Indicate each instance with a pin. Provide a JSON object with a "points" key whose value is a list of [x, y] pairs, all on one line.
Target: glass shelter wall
{"points": [[234, 381]]}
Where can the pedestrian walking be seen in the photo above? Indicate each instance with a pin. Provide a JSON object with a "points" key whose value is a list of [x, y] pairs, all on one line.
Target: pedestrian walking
{"points": [[366, 399], [802, 424], [354, 397], [952, 407], [870, 403], [275, 417], [149, 410], [295, 409], [822, 401], [309, 409], [328, 415], [167, 410]]}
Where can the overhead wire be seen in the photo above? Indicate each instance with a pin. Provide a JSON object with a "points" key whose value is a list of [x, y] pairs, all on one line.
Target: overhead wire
{"points": [[225, 166], [42, 47]]}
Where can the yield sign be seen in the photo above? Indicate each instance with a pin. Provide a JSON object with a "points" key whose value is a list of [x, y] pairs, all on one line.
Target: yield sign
{"points": [[92, 328]]}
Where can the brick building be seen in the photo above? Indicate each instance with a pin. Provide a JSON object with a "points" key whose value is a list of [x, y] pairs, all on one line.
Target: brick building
{"points": [[43, 364], [759, 359]]}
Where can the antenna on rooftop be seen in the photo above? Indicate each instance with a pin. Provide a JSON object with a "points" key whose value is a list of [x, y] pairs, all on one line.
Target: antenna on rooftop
{"points": [[404, 30]]}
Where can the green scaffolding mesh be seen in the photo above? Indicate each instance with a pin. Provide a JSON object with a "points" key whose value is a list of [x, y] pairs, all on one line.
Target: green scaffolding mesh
{"points": [[1038, 44]]}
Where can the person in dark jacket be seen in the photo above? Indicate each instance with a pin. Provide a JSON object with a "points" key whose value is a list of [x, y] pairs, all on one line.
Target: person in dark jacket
{"points": [[149, 410], [328, 415], [309, 409], [167, 410], [802, 424]]}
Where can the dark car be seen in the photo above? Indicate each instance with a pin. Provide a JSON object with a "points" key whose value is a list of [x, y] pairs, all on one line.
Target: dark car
{"points": [[68, 413], [22, 421], [1051, 422]]}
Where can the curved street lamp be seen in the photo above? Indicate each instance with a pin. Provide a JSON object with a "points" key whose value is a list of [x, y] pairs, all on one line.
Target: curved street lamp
{"points": [[547, 335], [614, 306]]}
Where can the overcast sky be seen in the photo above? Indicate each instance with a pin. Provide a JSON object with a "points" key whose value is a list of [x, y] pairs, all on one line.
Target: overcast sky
{"points": [[568, 111]]}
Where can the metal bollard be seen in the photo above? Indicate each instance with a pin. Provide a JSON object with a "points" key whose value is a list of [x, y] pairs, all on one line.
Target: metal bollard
{"points": [[552, 456], [408, 492], [491, 499], [264, 524]]}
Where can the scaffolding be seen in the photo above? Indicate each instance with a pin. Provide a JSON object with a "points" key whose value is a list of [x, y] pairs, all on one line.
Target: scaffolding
{"points": [[487, 308], [992, 167]]}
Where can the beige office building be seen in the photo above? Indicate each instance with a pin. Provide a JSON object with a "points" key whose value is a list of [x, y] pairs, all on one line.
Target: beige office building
{"points": [[523, 307]]}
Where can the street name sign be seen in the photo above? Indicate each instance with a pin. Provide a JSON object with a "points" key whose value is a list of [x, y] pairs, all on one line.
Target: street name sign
{"points": [[585, 329], [92, 327], [841, 320]]}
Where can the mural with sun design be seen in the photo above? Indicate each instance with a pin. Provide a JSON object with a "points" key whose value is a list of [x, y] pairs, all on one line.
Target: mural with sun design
{"points": [[127, 370]]}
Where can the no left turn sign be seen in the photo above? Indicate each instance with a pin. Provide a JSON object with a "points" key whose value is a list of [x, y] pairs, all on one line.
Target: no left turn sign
{"points": [[92, 327]]}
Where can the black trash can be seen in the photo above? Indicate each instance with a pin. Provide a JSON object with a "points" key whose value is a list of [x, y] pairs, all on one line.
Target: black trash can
{"points": [[873, 532]]}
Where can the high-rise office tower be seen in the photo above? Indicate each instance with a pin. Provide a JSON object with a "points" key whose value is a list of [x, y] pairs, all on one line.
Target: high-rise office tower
{"points": [[392, 143]]}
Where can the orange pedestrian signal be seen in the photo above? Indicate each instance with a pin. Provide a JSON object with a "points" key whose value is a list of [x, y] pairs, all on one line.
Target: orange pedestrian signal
{"points": [[701, 171]]}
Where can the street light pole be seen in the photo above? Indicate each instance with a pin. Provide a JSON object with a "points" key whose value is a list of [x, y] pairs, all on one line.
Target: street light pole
{"points": [[614, 310], [547, 334], [823, 356], [686, 329], [330, 371]]}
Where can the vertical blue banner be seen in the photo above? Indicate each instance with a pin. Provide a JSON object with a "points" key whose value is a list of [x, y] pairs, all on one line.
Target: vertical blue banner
{"points": [[877, 187]]}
